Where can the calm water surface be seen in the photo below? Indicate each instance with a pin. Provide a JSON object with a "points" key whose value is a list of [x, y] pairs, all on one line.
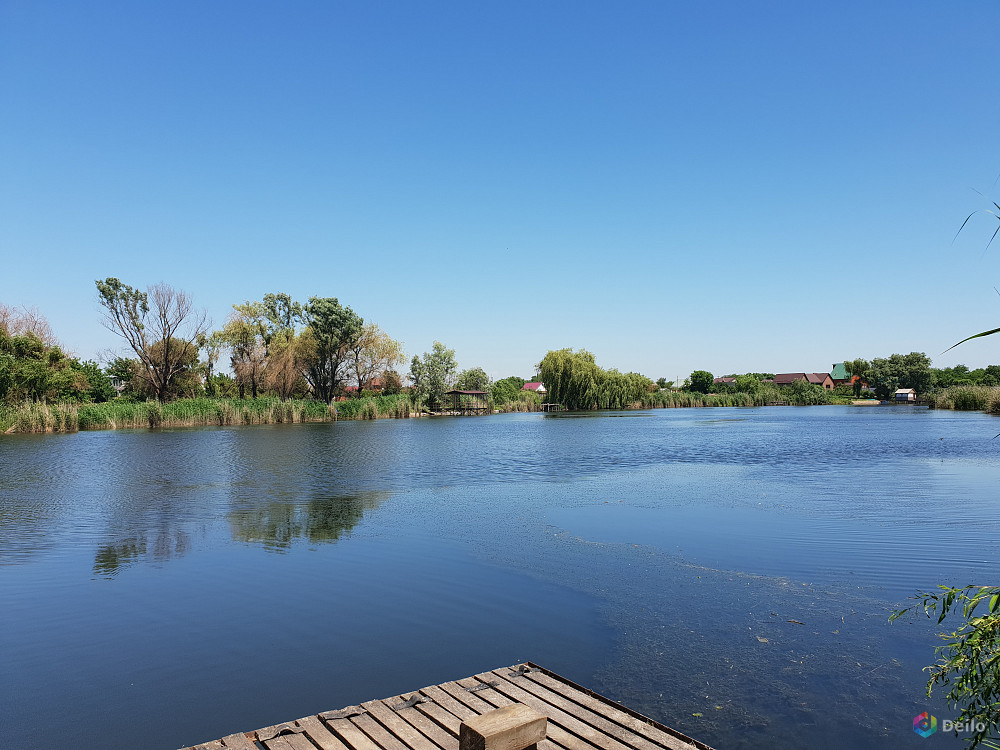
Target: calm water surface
{"points": [[165, 588]]}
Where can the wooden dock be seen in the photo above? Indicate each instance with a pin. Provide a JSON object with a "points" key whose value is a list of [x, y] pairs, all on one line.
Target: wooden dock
{"points": [[430, 719]]}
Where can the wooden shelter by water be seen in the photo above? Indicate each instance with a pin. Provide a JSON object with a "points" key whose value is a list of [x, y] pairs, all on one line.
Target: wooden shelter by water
{"points": [[468, 402]]}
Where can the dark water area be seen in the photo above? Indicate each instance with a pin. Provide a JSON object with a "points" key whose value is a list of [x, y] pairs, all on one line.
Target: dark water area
{"points": [[164, 588]]}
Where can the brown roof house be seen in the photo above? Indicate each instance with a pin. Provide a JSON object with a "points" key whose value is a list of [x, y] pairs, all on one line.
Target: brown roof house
{"points": [[816, 378], [820, 378]]}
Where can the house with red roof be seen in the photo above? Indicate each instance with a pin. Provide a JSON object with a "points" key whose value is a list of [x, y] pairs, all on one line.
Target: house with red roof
{"points": [[538, 388]]}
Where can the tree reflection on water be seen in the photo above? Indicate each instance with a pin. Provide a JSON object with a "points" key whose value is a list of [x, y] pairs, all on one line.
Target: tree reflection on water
{"points": [[276, 524], [279, 524]]}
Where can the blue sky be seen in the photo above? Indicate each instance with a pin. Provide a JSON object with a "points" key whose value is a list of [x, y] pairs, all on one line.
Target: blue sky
{"points": [[727, 186]]}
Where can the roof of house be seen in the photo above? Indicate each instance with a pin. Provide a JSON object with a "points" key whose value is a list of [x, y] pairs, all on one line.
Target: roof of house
{"points": [[817, 378], [724, 380], [905, 390], [532, 386], [787, 378], [839, 371]]}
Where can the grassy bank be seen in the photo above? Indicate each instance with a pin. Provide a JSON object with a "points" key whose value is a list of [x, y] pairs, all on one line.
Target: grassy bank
{"points": [[116, 415], [967, 398]]}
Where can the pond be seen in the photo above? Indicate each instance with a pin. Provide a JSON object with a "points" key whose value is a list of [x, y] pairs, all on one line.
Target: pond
{"points": [[729, 572]]}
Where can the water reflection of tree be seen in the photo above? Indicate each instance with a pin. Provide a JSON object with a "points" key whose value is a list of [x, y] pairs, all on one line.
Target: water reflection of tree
{"points": [[161, 546], [278, 524]]}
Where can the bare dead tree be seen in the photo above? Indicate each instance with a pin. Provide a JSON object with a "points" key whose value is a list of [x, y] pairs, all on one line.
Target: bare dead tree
{"points": [[161, 325], [23, 321]]}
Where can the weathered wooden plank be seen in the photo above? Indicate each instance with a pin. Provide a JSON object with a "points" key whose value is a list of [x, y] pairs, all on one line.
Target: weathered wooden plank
{"points": [[238, 742], [320, 735], [446, 719], [440, 697], [216, 745], [566, 721], [597, 705], [278, 742], [611, 728], [379, 734], [297, 742], [473, 689], [400, 728], [428, 728], [350, 734]]}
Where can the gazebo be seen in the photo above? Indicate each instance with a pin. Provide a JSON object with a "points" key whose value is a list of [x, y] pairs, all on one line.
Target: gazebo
{"points": [[468, 402]]}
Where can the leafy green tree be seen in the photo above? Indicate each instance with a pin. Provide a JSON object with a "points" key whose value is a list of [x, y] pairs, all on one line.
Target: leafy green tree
{"points": [[331, 331], [475, 379], [99, 387], [507, 389], [32, 370], [804, 393], [748, 383], [433, 374], [662, 383], [913, 370], [160, 324], [701, 381], [281, 313], [392, 383]]}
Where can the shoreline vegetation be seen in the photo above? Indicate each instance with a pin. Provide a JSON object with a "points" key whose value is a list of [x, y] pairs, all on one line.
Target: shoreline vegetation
{"points": [[319, 361], [40, 417]]}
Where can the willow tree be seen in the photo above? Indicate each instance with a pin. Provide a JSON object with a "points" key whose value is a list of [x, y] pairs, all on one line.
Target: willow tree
{"points": [[161, 325], [574, 380]]}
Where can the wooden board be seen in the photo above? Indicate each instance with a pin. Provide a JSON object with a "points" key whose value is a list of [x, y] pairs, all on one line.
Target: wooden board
{"points": [[429, 719]]}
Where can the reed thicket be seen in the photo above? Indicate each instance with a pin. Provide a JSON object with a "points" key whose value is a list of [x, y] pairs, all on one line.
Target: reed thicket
{"points": [[968, 398], [192, 412]]}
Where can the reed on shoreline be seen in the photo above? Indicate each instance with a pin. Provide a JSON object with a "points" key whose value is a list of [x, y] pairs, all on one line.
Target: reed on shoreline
{"points": [[195, 412], [967, 398]]}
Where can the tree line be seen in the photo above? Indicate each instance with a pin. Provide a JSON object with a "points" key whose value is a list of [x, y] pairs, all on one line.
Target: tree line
{"points": [[275, 346]]}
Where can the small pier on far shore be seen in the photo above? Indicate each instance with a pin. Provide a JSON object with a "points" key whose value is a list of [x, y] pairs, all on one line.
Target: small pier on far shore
{"points": [[523, 707]]}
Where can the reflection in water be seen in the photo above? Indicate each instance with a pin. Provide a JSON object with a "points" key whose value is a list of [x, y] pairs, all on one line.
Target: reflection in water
{"points": [[277, 524], [167, 544]]}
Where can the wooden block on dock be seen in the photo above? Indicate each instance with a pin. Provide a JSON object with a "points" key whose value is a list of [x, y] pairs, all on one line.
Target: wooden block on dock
{"points": [[514, 727]]}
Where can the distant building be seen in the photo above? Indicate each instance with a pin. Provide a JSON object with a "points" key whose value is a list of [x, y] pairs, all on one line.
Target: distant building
{"points": [[816, 378], [538, 388], [820, 378], [718, 381], [839, 374], [906, 394]]}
